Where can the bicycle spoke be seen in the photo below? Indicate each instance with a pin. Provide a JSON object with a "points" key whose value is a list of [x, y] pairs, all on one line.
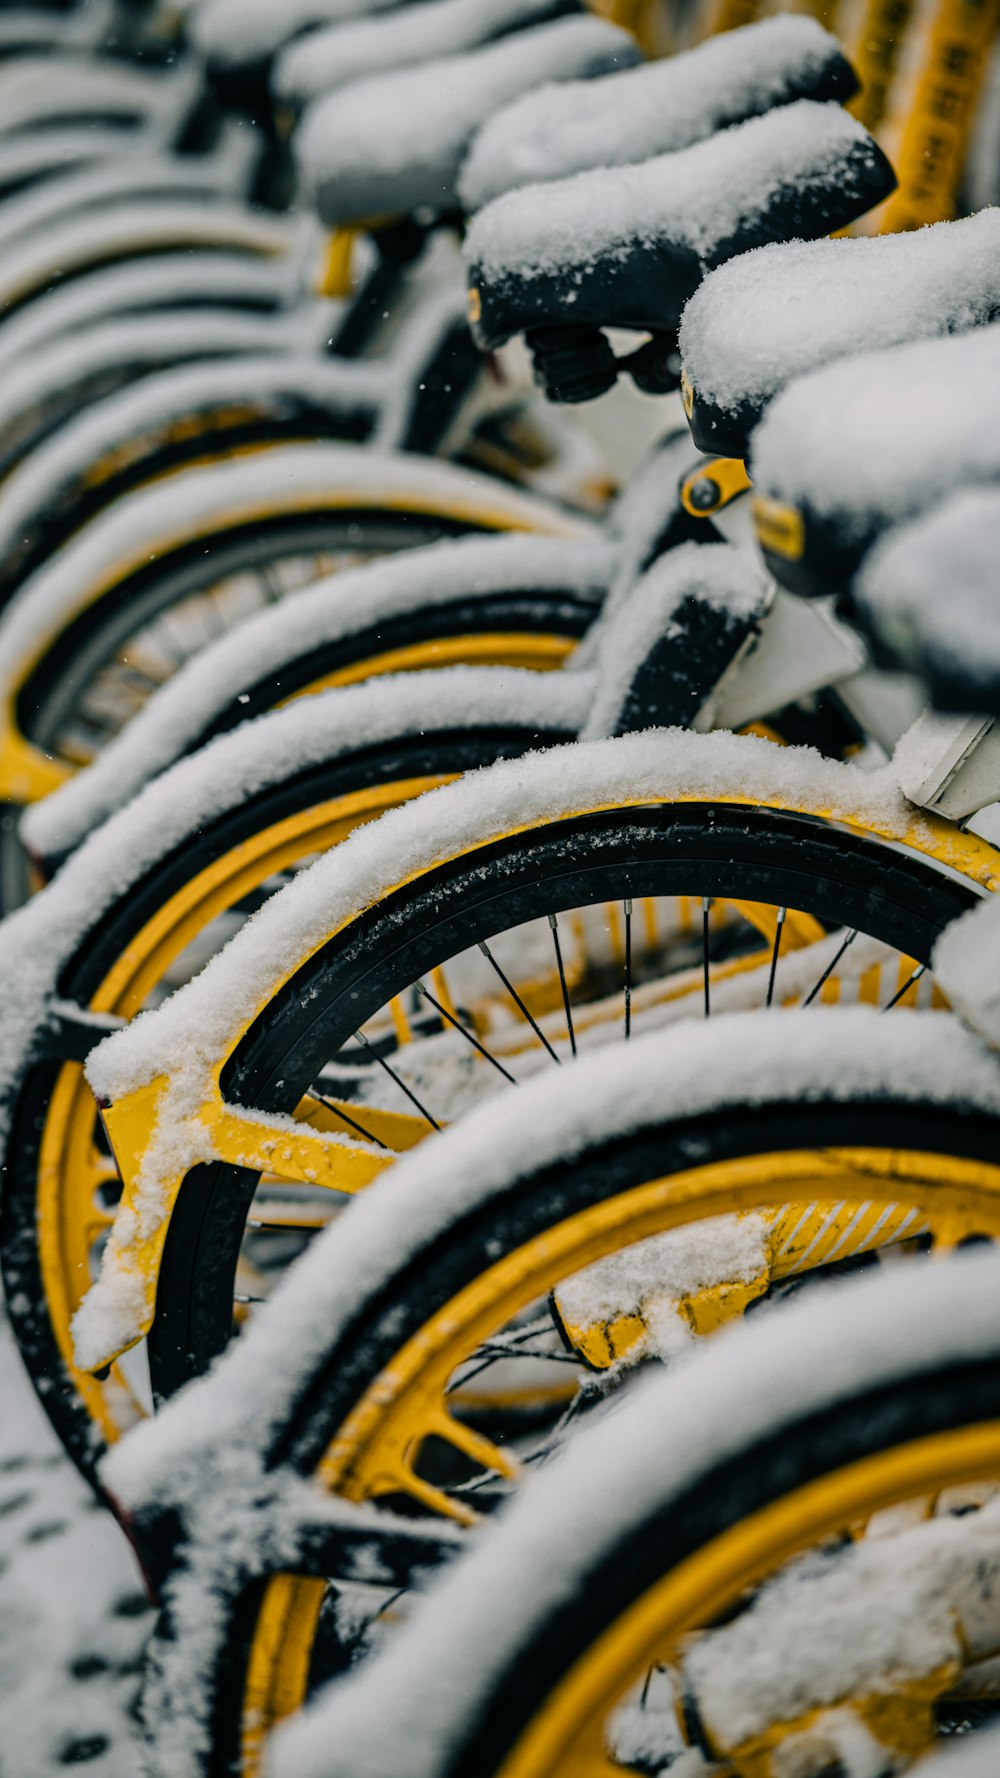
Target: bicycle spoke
{"points": [[554, 924], [518, 1002], [465, 1032], [359, 1037], [706, 907], [920, 970], [831, 966], [774, 954], [349, 1121], [628, 969]]}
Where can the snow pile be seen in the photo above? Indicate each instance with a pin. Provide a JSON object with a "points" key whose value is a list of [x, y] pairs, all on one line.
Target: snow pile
{"points": [[412, 1707], [715, 574], [699, 199], [315, 66], [873, 438], [559, 130], [930, 587], [395, 144], [340, 606], [769, 315]]}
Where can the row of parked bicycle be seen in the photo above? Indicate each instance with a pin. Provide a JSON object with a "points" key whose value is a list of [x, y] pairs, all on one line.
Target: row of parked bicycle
{"points": [[412, 856]]}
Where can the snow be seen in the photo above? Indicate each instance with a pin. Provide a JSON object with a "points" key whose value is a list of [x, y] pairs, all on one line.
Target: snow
{"points": [[327, 59], [954, 546], [394, 144], [78, 242], [559, 130], [72, 1605], [863, 1619], [409, 1708], [975, 1757], [874, 438], [193, 502], [649, 1278], [240, 32], [697, 199], [730, 580], [177, 716], [769, 315]]}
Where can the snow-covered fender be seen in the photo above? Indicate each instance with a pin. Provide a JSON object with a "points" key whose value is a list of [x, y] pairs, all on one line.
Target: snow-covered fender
{"points": [[200, 502], [161, 1093]]}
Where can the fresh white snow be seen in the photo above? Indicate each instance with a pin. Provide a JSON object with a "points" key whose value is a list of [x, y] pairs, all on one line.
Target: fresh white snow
{"points": [[874, 438], [569, 127], [697, 198], [768, 316], [395, 143]]}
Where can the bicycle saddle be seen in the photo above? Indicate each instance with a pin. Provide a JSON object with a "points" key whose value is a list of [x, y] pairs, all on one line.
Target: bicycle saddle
{"points": [[627, 246], [866, 443], [555, 131], [392, 145], [757, 323], [927, 596], [240, 36], [319, 64]]}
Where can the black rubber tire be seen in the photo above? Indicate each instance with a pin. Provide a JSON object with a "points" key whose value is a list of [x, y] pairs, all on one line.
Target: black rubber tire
{"points": [[670, 849]]}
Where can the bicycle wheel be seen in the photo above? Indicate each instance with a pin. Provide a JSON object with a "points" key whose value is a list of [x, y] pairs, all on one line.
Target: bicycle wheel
{"points": [[626, 836], [601, 1628], [143, 907], [366, 1380], [136, 594]]}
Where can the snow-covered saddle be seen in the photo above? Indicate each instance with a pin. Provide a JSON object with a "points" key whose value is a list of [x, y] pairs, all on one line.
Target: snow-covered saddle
{"points": [[758, 322], [555, 131], [869, 442], [627, 246], [316, 65], [394, 144]]}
